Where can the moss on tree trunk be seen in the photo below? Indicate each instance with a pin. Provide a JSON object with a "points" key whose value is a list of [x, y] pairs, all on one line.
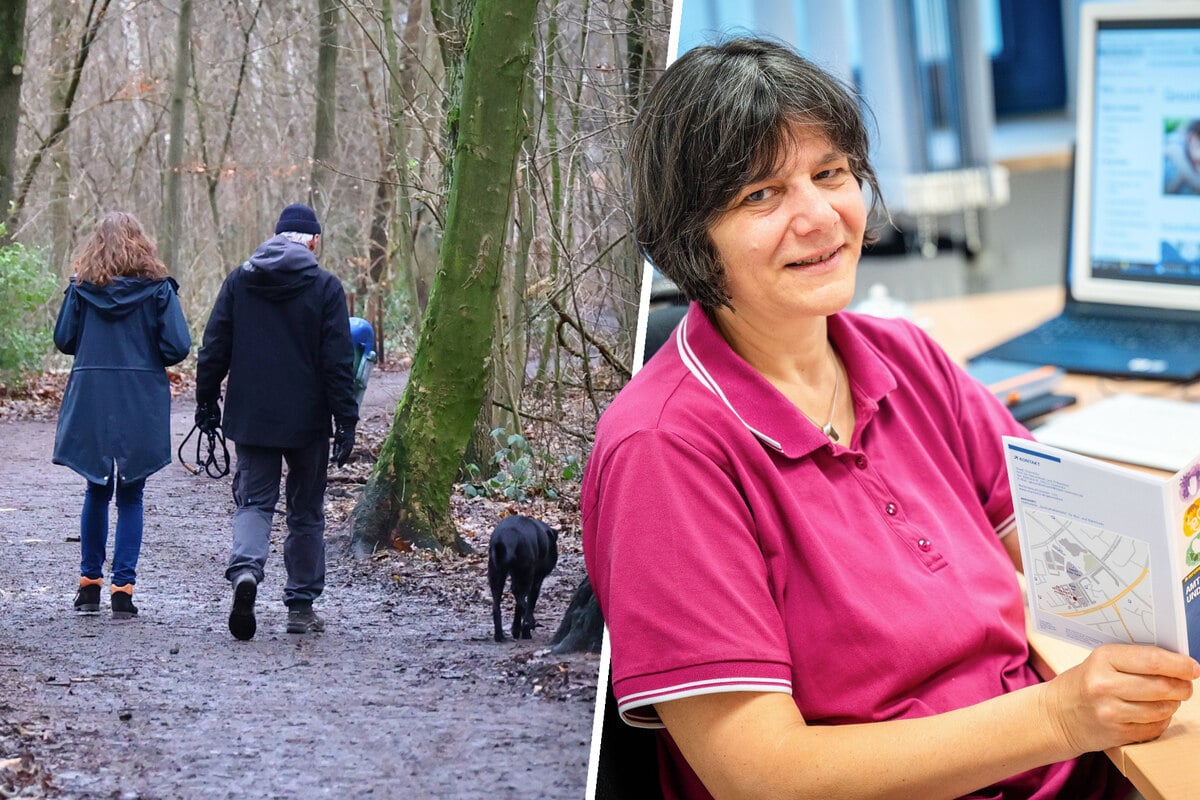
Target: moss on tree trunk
{"points": [[407, 498]]}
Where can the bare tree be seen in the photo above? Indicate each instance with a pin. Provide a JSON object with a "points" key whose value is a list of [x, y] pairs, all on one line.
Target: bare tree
{"points": [[566, 276], [97, 10], [403, 56], [169, 231], [326, 117], [215, 166], [62, 240], [408, 494], [12, 69]]}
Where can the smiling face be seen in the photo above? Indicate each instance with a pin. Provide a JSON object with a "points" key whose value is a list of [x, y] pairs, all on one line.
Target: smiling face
{"points": [[789, 244], [711, 124]]}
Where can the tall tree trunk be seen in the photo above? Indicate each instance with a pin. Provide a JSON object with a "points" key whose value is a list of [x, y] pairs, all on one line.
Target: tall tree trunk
{"points": [[12, 69], [326, 107], [640, 58], [407, 498], [510, 350], [401, 95], [637, 22], [426, 86], [451, 20], [513, 329], [391, 226], [61, 225], [172, 218], [547, 351]]}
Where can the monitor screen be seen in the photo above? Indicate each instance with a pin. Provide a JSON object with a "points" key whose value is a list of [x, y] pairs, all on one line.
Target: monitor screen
{"points": [[1136, 234]]}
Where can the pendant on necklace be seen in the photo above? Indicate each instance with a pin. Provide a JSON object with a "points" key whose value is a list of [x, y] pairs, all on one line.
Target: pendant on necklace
{"points": [[828, 428]]}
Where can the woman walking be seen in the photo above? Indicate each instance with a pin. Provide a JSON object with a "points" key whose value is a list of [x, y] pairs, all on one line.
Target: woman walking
{"points": [[122, 321]]}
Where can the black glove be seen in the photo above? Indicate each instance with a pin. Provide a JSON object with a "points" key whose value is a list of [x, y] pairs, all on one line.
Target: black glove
{"points": [[343, 442], [208, 416]]}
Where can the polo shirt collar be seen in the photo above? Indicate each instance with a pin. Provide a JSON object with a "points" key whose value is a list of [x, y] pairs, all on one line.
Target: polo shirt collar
{"points": [[762, 408]]}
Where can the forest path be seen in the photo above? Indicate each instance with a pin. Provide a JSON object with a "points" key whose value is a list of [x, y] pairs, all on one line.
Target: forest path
{"points": [[404, 695]]}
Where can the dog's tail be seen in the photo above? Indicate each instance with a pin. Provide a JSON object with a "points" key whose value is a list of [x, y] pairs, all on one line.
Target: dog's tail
{"points": [[497, 555]]}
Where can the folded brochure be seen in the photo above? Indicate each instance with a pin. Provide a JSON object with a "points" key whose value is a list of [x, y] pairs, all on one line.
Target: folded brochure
{"points": [[1111, 554]]}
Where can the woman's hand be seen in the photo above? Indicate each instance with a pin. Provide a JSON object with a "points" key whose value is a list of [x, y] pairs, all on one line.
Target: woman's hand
{"points": [[1120, 694]]}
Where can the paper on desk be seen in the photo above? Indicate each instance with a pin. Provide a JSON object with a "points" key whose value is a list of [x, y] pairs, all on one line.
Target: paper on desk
{"points": [[1133, 429]]}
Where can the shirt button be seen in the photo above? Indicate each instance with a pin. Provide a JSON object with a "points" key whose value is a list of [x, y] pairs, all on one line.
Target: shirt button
{"points": [[890, 508], [861, 462], [924, 544]]}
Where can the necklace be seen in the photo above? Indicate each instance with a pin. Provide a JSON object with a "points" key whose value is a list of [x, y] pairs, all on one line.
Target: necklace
{"points": [[828, 428]]}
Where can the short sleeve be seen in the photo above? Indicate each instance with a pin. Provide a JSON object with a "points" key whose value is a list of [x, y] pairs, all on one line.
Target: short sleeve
{"points": [[681, 578]]}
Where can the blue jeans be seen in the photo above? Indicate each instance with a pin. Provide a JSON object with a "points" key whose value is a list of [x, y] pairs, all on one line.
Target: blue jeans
{"points": [[93, 530]]}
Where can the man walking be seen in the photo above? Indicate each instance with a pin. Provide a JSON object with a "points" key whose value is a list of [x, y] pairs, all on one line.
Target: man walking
{"points": [[280, 331]]}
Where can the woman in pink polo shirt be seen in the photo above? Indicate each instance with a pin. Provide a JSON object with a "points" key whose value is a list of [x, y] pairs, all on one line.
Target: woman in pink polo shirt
{"points": [[797, 519]]}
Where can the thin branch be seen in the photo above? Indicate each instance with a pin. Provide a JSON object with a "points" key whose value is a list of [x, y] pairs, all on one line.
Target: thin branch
{"points": [[587, 337], [417, 116], [95, 17], [554, 422]]}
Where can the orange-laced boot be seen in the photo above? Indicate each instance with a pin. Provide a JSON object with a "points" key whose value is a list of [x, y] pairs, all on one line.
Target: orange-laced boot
{"points": [[122, 602], [87, 599]]}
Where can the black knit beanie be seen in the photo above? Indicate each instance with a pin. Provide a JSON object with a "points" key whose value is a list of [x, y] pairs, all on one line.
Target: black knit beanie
{"points": [[298, 218]]}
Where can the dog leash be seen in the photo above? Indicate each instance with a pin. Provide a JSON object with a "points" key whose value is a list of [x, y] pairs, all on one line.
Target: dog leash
{"points": [[209, 465]]}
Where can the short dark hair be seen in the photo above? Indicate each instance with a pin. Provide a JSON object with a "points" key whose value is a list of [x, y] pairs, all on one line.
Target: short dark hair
{"points": [[720, 118]]}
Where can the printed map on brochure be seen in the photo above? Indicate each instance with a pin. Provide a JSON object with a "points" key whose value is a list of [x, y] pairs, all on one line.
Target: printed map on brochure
{"points": [[1111, 554]]}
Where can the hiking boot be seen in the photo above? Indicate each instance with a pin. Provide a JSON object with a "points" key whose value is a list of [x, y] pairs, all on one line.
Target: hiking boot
{"points": [[122, 602], [241, 616], [304, 620], [87, 599]]}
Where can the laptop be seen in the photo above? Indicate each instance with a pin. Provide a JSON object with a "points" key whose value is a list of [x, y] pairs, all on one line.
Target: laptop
{"points": [[1133, 257]]}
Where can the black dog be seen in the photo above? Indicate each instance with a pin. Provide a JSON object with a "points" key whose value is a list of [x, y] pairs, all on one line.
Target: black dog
{"points": [[527, 549]]}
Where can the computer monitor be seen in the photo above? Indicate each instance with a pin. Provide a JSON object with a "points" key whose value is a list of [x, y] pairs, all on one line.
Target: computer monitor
{"points": [[1136, 233]]}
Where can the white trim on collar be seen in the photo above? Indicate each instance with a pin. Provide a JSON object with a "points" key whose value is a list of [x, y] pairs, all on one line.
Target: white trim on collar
{"points": [[692, 362]]}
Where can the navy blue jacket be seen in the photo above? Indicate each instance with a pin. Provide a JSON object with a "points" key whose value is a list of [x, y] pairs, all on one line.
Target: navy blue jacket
{"points": [[117, 405], [280, 330]]}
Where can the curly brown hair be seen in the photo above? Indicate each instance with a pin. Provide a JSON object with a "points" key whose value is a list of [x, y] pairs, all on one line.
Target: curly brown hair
{"points": [[119, 247]]}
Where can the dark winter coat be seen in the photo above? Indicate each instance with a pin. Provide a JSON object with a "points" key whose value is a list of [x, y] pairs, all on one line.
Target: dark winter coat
{"points": [[117, 405], [281, 332]]}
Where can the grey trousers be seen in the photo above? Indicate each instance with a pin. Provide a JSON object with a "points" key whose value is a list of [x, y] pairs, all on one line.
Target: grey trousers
{"points": [[256, 492]]}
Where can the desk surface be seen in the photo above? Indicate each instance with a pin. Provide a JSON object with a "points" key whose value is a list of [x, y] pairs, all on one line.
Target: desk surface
{"points": [[1169, 767]]}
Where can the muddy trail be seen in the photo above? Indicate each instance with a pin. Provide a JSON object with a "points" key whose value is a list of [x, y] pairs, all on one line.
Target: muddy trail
{"points": [[404, 695]]}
